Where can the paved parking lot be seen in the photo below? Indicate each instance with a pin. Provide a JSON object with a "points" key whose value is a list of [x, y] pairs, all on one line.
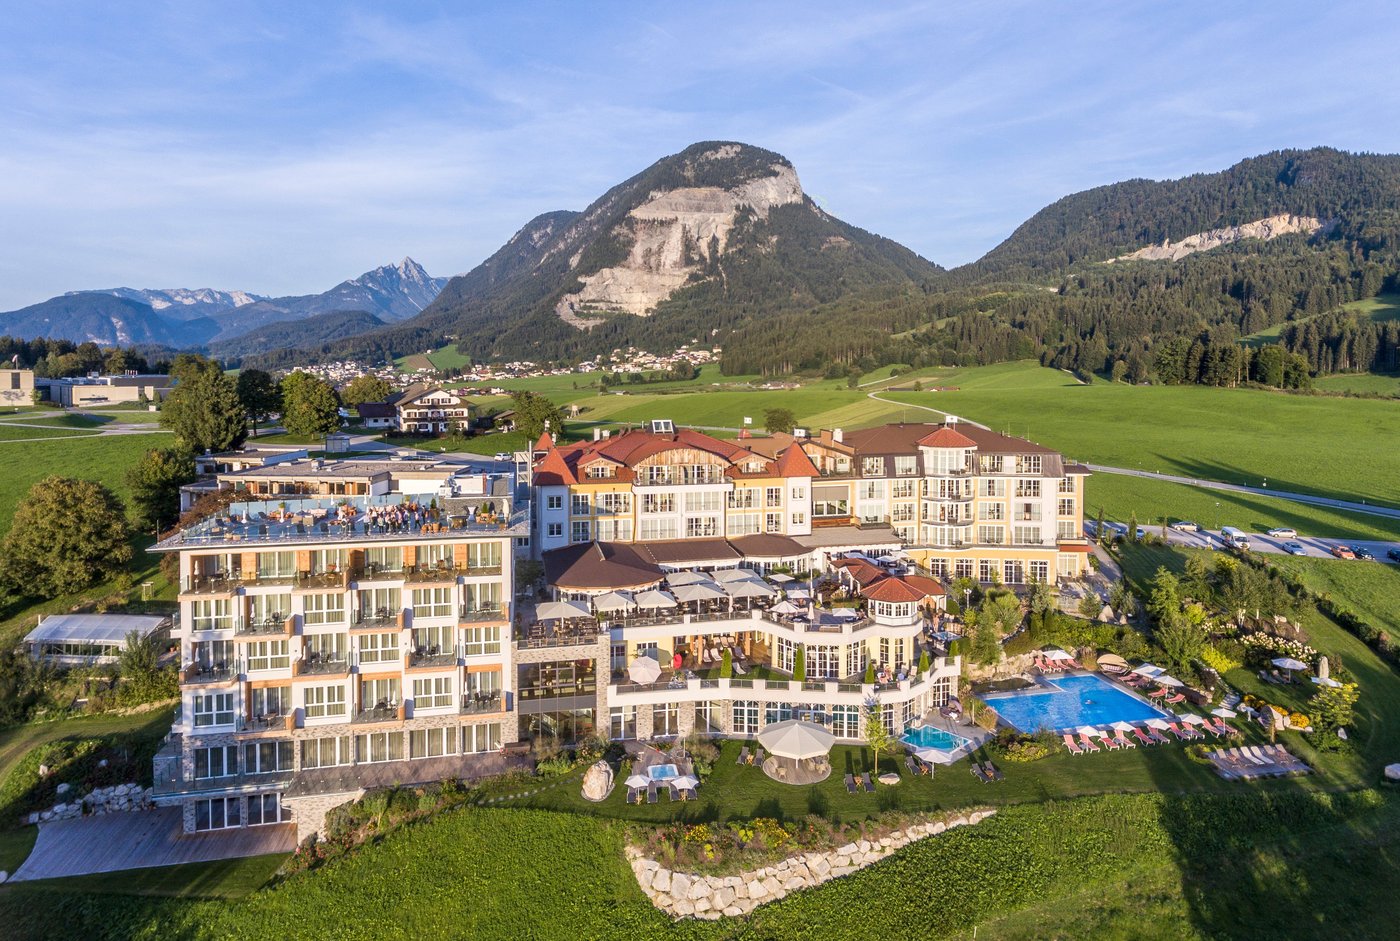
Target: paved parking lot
{"points": [[1313, 546]]}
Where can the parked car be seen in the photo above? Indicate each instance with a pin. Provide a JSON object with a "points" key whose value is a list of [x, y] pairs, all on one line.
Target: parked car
{"points": [[1393, 555], [504, 456], [1284, 532], [1186, 526], [1294, 548], [1343, 552], [1361, 552]]}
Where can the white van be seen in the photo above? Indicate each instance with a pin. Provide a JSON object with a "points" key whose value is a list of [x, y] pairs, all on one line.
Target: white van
{"points": [[1234, 538]]}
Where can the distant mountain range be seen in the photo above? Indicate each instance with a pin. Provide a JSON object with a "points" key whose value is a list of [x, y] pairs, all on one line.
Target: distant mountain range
{"points": [[229, 323]]}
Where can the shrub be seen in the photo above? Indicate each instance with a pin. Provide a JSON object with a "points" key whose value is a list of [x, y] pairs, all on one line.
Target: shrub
{"points": [[1218, 660], [553, 767], [1016, 746]]}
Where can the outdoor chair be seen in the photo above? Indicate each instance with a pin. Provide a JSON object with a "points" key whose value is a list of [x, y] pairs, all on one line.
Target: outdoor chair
{"points": [[651, 794], [912, 764], [759, 756], [1123, 741], [994, 771], [743, 756], [866, 783], [850, 783], [1088, 744], [1173, 700], [1142, 737], [979, 774], [1072, 745], [1157, 737]]}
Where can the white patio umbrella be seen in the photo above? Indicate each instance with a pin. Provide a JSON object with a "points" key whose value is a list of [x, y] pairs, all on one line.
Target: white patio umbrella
{"points": [[1057, 655], [748, 588], [785, 607], [698, 591], [778, 577], [733, 575], [794, 738], [637, 780], [654, 598], [797, 593], [555, 610], [1289, 664], [1167, 680], [845, 614], [1088, 730], [1148, 669], [935, 756], [614, 601], [1192, 719], [675, 579], [686, 782], [644, 670], [1158, 724], [1122, 726], [1224, 712]]}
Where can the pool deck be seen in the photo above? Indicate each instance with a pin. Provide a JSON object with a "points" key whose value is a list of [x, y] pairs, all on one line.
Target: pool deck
{"points": [[974, 734], [1042, 681]]}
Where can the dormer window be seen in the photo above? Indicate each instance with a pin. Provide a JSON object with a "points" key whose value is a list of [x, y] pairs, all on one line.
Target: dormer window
{"points": [[872, 467]]}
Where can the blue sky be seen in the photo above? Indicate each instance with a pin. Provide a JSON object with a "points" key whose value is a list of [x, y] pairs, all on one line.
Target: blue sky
{"points": [[282, 147]]}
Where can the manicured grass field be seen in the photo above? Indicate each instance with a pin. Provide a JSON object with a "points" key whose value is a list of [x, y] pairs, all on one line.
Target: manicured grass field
{"points": [[1122, 496], [103, 459], [220, 879], [1370, 589], [1380, 383], [24, 432], [1336, 447]]}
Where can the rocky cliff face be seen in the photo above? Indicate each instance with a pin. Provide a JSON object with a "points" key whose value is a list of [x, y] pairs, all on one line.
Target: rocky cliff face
{"points": [[670, 237], [1263, 229]]}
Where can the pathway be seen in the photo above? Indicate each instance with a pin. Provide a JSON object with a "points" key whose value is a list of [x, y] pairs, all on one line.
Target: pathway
{"points": [[136, 840]]}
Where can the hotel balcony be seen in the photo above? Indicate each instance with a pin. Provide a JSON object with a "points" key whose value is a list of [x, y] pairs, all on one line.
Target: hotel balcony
{"points": [[476, 704], [272, 626], [269, 723], [441, 573], [200, 674], [382, 619], [219, 583], [432, 656], [485, 613], [315, 664], [383, 712]]}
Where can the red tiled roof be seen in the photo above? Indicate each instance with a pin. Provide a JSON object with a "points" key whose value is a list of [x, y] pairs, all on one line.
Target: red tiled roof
{"points": [[553, 470], [929, 586], [893, 589], [946, 437], [794, 462], [545, 443]]}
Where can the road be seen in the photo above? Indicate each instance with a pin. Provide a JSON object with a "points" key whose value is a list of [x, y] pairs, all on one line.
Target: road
{"points": [[1313, 547]]}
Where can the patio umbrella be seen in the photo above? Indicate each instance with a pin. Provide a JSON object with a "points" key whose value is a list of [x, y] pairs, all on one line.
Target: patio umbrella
{"points": [[654, 598], [698, 591], [1057, 655], [638, 780], [1289, 664], [686, 782], [1167, 680], [798, 593], [1324, 669], [1325, 681], [1192, 719], [1088, 730], [614, 601], [794, 738], [734, 575], [1224, 712], [1158, 724], [845, 614], [675, 579], [1148, 669], [555, 610], [785, 607], [935, 756], [1122, 726], [778, 577], [748, 588], [644, 670], [1113, 660]]}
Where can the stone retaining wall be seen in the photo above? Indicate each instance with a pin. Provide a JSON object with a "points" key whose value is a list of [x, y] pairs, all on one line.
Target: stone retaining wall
{"points": [[682, 894], [103, 800]]}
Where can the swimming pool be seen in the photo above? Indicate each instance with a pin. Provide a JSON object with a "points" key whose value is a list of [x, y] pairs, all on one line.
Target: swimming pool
{"points": [[928, 736], [663, 772], [1067, 702]]}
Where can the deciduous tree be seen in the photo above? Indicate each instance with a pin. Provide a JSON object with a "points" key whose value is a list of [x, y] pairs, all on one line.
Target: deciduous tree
{"points": [[67, 535], [204, 411], [779, 420], [261, 397], [365, 388], [310, 406], [155, 484]]}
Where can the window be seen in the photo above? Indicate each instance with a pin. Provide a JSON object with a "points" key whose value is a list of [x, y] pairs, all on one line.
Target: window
{"points": [[213, 709], [1028, 488], [598, 471], [906, 465], [484, 555], [709, 501], [555, 530], [615, 530], [962, 568], [1066, 529], [991, 535], [384, 559], [377, 648], [614, 503], [554, 502], [992, 487], [264, 809], [991, 463], [745, 717], [481, 640], [903, 489], [211, 614], [220, 813], [380, 603], [326, 752], [658, 529], [786, 649], [799, 493], [622, 723], [379, 746], [432, 743], [658, 503], [1066, 485], [855, 659], [987, 570], [871, 490], [277, 564], [324, 608], [1040, 571], [743, 498], [268, 655], [773, 496], [434, 692], [902, 512], [323, 701], [578, 531], [1013, 572], [706, 718], [799, 519], [743, 524], [772, 522], [872, 467], [271, 700], [432, 603], [845, 721], [218, 762], [1028, 463], [578, 504], [269, 609], [991, 511], [1026, 535], [481, 738], [666, 719], [267, 757], [700, 526], [1066, 507]]}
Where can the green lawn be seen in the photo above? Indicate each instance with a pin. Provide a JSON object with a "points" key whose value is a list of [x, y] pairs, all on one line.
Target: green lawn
{"points": [[220, 879], [103, 459], [1336, 447], [1122, 496], [20, 432], [1379, 383], [1371, 589]]}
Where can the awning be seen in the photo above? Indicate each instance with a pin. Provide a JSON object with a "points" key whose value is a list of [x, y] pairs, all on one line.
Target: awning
{"points": [[700, 591], [555, 610], [654, 598], [614, 601]]}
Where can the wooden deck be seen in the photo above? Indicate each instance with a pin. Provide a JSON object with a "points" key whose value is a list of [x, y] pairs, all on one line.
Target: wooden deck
{"points": [[113, 842]]}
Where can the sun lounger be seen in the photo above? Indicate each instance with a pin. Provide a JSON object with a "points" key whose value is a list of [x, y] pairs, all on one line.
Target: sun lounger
{"points": [[1109, 742], [1173, 700], [634, 796], [912, 764], [866, 783], [738, 668], [1157, 737], [1156, 693], [758, 756], [1122, 741], [1074, 664], [1088, 744], [979, 774], [994, 771], [1223, 727], [743, 756], [850, 784], [1247, 754], [1179, 732], [1073, 746], [651, 794], [1141, 736]]}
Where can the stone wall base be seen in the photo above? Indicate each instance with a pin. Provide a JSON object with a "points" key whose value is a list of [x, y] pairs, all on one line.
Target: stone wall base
{"points": [[691, 895], [309, 812]]}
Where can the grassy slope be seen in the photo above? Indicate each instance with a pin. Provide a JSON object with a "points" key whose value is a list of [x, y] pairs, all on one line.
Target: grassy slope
{"points": [[103, 459], [1313, 444], [1372, 590]]}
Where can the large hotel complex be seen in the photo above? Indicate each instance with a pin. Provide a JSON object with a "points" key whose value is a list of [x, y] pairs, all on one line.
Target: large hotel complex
{"points": [[348, 623]]}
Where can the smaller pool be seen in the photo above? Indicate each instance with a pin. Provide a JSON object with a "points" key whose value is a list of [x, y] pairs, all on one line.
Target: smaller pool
{"points": [[928, 736], [663, 772]]}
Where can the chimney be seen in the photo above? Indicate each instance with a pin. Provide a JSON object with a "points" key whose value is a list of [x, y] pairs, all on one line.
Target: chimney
{"points": [[597, 433], [607, 433], [837, 436]]}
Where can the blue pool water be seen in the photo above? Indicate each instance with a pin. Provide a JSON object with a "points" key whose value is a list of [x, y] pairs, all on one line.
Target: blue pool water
{"points": [[929, 737], [663, 772], [1067, 702]]}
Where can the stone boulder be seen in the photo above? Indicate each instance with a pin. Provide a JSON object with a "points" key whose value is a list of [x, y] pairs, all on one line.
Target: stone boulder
{"points": [[598, 782], [1392, 772]]}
